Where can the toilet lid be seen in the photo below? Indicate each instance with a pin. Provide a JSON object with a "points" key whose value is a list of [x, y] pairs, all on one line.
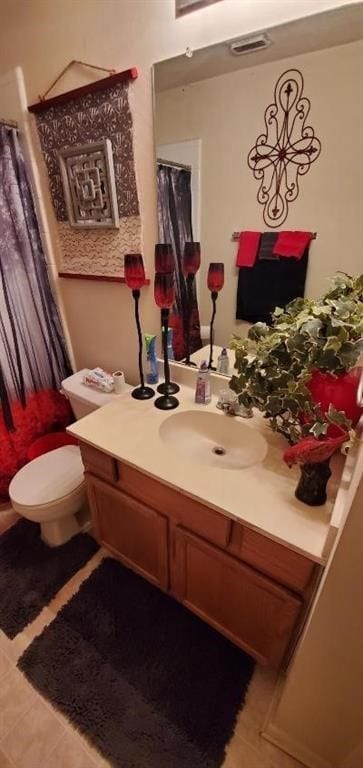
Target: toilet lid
{"points": [[48, 478]]}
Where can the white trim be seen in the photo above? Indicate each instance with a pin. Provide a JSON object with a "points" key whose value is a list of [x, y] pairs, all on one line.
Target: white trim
{"points": [[282, 740]]}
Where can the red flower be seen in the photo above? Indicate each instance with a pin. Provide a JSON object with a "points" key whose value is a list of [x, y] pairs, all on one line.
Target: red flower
{"points": [[310, 450]]}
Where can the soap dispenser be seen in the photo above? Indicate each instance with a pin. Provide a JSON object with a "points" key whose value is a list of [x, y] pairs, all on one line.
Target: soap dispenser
{"points": [[223, 362], [202, 389]]}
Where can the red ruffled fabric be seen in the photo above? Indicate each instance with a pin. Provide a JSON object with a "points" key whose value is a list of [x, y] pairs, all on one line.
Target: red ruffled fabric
{"points": [[50, 442], [45, 411]]}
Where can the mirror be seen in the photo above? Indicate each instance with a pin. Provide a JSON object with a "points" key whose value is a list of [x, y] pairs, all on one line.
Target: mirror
{"points": [[209, 112]]}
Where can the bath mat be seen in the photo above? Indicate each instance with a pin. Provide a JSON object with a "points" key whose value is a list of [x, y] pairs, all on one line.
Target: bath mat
{"points": [[31, 573], [149, 684]]}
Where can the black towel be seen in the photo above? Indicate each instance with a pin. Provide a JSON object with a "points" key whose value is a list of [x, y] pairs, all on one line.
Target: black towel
{"points": [[267, 242], [267, 285]]}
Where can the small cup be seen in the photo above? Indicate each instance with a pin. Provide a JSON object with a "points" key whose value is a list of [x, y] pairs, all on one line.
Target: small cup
{"points": [[118, 382]]}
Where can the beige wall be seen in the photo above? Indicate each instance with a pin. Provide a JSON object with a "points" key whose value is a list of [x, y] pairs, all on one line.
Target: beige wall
{"points": [[319, 718], [42, 36], [226, 113]]}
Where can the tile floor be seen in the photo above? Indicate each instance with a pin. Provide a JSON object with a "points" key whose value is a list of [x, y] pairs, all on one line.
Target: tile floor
{"points": [[34, 734]]}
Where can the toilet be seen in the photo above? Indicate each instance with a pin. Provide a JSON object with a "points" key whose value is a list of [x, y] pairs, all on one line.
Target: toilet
{"points": [[51, 489]]}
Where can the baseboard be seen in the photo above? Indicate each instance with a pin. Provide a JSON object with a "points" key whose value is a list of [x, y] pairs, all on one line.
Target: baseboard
{"points": [[86, 527], [282, 740]]}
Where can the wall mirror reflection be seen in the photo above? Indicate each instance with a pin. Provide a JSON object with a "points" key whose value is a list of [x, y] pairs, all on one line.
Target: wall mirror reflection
{"points": [[209, 113]]}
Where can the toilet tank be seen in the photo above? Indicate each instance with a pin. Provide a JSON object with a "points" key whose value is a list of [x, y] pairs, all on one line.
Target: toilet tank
{"points": [[84, 399]]}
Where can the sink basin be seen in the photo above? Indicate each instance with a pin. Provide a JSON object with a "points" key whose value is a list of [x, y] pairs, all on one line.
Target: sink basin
{"points": [[213, 440]]}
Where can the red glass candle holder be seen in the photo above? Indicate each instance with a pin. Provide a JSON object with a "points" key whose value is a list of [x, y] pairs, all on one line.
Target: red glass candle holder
{"points": [[164, 258], [190, 266], [135, 279], [215, 276], [215, 284], [191, 258], [164, 298], [164, 291], [134, 271]]}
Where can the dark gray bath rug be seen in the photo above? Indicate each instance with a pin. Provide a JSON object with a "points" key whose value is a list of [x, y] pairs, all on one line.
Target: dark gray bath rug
{"points": [[31, 573], [149, 684]]}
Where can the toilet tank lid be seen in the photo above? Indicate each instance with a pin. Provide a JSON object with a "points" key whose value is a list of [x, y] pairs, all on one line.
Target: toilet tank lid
{"points": [[48, 478], [73, 387]]}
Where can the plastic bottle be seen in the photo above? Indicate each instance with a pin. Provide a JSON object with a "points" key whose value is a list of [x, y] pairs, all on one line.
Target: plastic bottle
{"points": [[202, 389], [152, 372], [170, 350], [223, 362]]}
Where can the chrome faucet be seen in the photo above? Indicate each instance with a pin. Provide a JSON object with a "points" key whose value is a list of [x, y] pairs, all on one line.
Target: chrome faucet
{"points": [[231, 407]]}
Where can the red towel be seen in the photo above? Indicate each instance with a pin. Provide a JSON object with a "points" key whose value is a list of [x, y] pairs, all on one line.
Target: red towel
{"points": [[247, 249], [292, 244]]}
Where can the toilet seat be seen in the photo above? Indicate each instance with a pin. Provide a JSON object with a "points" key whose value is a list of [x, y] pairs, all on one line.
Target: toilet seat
{"points": [[48, 479], [50, 490]]}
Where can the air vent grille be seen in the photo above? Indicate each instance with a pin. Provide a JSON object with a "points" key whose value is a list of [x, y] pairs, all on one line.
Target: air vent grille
{"points": [[249, 44]]}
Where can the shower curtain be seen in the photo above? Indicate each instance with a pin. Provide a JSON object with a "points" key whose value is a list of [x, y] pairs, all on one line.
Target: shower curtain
{"points": [[175, 227], [33, 355]]}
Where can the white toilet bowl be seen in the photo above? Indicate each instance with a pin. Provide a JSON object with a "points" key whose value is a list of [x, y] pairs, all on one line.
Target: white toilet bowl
{"points": [[50, 490]]}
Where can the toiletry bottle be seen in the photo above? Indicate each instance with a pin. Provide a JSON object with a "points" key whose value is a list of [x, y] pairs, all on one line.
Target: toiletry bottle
{"points": [[202, 389], [223, 362], [152, 373], [170, 350]]}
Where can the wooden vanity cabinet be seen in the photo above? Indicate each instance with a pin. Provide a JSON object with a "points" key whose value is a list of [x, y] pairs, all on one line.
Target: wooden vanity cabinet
{"points": [[131, 531], [250, 609], [251, 589]]}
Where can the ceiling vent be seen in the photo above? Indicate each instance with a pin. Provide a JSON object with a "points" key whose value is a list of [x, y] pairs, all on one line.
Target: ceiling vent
{"points": [[249, 44]]}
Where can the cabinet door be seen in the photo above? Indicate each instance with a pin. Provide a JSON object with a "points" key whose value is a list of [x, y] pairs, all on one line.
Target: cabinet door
{"points": [[249, 608], [136, 534]]}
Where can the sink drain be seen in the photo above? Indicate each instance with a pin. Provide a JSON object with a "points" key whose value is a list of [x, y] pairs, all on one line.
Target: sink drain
{"points": [[219, 451]]}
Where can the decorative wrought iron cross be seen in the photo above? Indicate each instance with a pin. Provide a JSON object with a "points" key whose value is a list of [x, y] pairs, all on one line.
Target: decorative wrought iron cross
{"points": [[286, 150]]}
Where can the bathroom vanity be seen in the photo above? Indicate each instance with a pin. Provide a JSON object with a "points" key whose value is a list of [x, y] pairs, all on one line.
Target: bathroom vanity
{"points": [[234, 546]]}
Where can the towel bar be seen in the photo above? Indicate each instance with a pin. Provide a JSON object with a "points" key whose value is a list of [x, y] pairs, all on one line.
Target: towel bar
{"points": [[235, 236]]}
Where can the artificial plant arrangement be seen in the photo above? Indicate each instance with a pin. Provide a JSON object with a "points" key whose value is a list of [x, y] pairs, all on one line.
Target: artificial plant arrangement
{"points": [[278, 369]]}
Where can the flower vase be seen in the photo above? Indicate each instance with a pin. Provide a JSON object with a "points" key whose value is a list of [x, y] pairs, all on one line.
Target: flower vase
{"points": [[311, 488]]}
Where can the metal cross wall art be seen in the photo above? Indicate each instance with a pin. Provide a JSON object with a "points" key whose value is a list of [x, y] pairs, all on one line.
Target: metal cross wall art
{"points": [[286, 150], [89, 185]]}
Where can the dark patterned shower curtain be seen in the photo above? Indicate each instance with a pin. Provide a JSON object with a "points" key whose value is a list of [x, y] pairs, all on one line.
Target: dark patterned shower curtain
{"points": [[175, 227], [33, 354]]}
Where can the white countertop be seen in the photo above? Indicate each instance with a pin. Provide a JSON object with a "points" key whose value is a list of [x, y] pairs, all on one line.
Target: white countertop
{"points": [[261, 497]]}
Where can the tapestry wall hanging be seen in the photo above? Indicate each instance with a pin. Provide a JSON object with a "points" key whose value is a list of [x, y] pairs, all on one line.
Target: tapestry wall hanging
{"points": [[286, 150], [99, 115]]}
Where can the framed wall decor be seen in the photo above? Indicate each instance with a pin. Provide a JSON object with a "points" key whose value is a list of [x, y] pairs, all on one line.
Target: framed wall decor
{"points": [[286, 150], [89, 185], [186, 6]]}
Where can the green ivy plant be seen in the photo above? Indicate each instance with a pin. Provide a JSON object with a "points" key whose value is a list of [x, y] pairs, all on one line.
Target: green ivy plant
{"points": [[274, 364]]}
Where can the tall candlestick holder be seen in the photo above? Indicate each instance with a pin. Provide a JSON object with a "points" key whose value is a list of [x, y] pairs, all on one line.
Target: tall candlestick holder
{"points": [[190, 266], [165, 265], [164, 298], [215, 284], [135, 279]]}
